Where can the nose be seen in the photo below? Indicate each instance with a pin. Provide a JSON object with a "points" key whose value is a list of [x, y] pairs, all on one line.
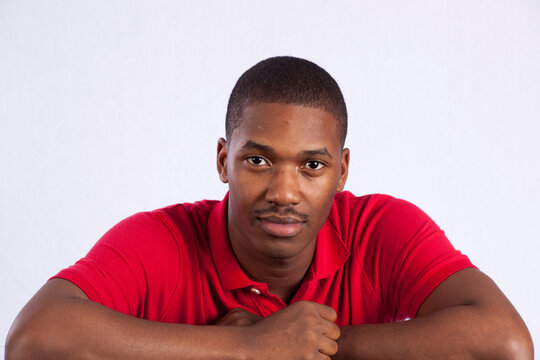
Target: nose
{"points": [[283, 188]]}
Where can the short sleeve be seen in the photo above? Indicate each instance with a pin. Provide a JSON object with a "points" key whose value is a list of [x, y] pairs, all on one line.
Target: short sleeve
{"points": [[133, 268], [409, 256]]}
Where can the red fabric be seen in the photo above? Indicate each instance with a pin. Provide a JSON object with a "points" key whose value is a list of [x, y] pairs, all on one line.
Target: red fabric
{"points": [[377, 258]]}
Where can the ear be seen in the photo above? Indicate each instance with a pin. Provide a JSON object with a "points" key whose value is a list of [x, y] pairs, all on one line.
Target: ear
{"points": [[345, 156], [222, 160]]}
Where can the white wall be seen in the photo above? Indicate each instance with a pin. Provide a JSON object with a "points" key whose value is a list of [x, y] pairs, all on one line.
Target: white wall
{"points": [[112, 107]]}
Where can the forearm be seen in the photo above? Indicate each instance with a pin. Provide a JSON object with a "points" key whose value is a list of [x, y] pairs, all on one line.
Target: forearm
{"points": [[78, 328], [460, 332]]}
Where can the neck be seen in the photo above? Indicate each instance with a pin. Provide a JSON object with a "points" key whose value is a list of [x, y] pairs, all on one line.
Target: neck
{"points": [[282, 275]]}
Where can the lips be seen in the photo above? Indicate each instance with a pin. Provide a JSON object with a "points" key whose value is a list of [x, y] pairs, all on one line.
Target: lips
{"points": [[281, 226]]}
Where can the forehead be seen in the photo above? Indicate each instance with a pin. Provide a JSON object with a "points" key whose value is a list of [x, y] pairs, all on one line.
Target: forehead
{"points": [[286, 123]]}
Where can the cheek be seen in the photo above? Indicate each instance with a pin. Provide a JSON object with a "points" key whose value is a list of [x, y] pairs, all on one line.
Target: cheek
{"points": [[322, 188], [245, 183], [244, 192], [321, 195]]}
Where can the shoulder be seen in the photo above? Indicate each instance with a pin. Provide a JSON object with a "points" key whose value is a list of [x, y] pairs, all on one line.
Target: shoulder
{"points": [[378, 218], [184, 215], [372, 207], [165, 226], [347, 201]]}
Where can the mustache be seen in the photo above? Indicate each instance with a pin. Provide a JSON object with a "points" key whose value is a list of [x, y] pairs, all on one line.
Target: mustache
{"points": [[276, 210]]}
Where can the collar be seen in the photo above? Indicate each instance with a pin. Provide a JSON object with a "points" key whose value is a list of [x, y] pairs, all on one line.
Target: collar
{"points": [[330, 251]]}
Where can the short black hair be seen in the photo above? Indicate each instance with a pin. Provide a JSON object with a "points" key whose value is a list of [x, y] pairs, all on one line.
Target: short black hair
{"points": [[287, 80]]}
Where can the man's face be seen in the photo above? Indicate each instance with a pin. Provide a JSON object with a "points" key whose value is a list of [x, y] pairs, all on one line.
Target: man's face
{"points": [[284, 163]]}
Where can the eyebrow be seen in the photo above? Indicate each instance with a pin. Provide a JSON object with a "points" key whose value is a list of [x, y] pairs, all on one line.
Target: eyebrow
{"points": [[253, 145], [317, 152], [306, 153]]}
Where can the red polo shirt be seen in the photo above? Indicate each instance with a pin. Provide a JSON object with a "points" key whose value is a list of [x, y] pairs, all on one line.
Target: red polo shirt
{"points": [[376, 260]]}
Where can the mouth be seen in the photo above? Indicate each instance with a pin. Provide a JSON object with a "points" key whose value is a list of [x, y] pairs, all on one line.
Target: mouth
{"points": [[281, 226]]}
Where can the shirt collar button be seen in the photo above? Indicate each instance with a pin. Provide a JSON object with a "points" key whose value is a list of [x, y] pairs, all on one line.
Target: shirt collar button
{"points": [[255, 291]]}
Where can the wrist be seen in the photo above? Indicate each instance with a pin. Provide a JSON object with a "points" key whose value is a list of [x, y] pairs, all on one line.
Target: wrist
{"points": [[243, 344], [342, 343]]}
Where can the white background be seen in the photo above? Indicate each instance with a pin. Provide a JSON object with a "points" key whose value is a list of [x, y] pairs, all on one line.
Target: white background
{"points": [[108, 108]]}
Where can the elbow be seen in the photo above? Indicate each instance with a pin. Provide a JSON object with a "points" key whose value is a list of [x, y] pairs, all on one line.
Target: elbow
{"points": [[20, 344], [28, 339], [513, 342], [518, 346], [503, 338]]}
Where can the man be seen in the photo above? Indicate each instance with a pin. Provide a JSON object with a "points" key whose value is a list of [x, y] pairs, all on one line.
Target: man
{"points": [[287, 266]]}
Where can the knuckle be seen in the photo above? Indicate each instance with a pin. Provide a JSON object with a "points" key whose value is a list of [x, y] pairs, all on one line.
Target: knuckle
{"points": [[332, 312], [311, 322], [305, 304], [242, 322], [234, 317], [312, 337]]}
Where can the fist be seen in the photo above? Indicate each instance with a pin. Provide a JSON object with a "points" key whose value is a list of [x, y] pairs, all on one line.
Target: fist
{"points": [[304, 330]]}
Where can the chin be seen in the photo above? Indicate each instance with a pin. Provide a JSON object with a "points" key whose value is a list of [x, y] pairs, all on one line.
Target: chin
{"points": [[282, 248]]}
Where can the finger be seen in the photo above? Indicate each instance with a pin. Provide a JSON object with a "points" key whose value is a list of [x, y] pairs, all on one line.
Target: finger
{"points": [[252, 318], [242, 321], [331, 331], [238, 317], [327, 313], [327, 346], [323, 356]]}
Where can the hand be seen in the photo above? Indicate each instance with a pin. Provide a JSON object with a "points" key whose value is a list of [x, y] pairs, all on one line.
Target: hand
{"points": [[238, 317], [304, 330]]}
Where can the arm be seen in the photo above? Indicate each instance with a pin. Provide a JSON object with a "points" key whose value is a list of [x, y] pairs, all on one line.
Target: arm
{"points": [[59, 322], [465, 317]]}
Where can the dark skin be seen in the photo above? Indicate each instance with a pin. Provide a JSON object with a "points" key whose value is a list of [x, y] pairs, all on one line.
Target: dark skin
{"points": [[280, 157], [284, 164]]}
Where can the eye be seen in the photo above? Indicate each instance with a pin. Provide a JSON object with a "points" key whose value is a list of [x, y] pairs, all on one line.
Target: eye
{"points": [[314, 165], [256, 160]]}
